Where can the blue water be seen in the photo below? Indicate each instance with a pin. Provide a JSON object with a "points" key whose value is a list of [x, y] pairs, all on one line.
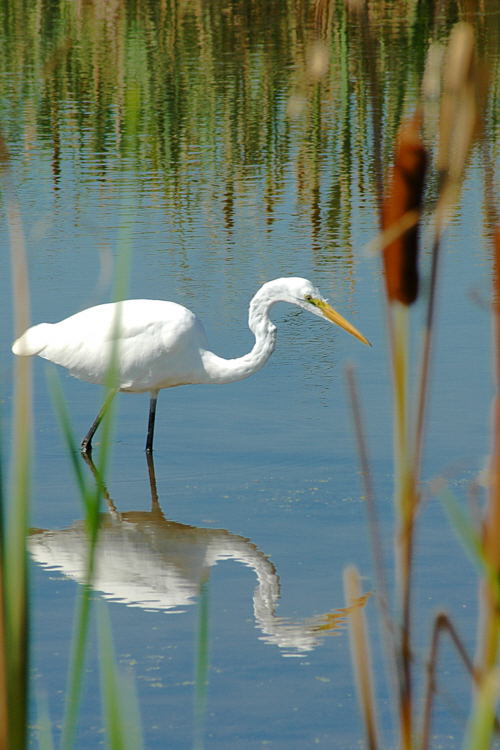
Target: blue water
{"points": [[271, 460]]}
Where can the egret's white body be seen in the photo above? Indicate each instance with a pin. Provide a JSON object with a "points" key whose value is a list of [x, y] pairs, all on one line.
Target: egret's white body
{"points": [[161, 344]]}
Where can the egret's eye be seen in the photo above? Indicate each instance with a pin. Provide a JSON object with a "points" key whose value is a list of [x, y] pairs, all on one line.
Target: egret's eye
{"points": [[308, 298]]}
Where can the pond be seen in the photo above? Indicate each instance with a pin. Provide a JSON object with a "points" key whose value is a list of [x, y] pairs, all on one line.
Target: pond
{"points": [[219, 145]]}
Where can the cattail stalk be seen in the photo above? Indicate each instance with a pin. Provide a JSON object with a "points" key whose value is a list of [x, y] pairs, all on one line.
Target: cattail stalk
{"points": [[401, 209], [490, 604]]}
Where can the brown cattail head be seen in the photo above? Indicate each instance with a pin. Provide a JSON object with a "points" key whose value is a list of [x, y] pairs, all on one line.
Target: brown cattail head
{"points": [[403, 198]]}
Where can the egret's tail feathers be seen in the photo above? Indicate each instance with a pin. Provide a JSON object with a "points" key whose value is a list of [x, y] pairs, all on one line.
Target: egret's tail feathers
{"points": [[32, 341]]}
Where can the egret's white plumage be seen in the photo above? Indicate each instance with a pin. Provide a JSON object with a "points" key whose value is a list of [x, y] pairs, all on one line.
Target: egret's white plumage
{"points": [[162, 344], [159, 344]]}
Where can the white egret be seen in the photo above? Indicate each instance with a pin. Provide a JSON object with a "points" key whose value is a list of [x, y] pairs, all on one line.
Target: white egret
{"points": [[162, 344]]}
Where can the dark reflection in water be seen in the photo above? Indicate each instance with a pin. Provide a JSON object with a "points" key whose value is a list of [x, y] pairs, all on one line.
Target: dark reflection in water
{"points": [[145, 560], [224, 102]]}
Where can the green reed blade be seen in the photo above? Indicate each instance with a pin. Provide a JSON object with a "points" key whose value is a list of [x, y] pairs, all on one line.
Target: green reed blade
{"points": [[91, 500], [469, 536], [44, 729], [202, 665], [81, 621], [120, 707], [14, 562], [62, 413], [480, 729]]}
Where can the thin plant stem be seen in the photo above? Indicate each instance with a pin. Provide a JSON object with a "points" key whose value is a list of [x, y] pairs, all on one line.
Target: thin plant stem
{"points": [[373, 521], [490, 603], [202, 663], [404, 500], [423, 381], [361, 657], [442, 624], [79, 642], [4, 704], [16, 573]]}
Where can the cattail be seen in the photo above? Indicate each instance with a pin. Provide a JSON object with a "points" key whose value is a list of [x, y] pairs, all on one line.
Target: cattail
{"points": [[458, 119], [404, 197], [318, 59]]}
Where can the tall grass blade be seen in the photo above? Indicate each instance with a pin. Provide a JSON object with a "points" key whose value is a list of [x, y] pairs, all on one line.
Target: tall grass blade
{"points": [[202, 664], [81, 622], [120, 707], [467, 533], [91, 503], [4, 697], [62, 413], [91, 500], [44, 729], [14, 556], [480, 729]]}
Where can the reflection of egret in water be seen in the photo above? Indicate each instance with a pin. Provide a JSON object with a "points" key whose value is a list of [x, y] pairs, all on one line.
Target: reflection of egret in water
{"points": [[144, 560]]}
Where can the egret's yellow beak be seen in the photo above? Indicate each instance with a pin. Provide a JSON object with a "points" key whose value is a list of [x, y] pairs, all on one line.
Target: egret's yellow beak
{"points": [[338, 319]]}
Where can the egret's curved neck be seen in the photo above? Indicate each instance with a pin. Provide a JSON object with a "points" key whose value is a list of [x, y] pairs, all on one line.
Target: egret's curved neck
{"points": [[220, 370]]}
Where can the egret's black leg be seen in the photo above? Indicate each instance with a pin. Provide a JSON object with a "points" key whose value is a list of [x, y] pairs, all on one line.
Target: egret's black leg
{"points": [[151, 423], [86, 444]]}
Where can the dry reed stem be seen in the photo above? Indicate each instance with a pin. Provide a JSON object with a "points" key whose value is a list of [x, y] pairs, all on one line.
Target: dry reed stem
{"points": [[458, 123], [361, 656], [388, 629], [400, 651], [441, 624], [490, 606], [373, 524]]}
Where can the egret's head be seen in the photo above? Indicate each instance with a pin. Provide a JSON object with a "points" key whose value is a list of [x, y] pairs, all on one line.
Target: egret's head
{"points": [[310, 298]]}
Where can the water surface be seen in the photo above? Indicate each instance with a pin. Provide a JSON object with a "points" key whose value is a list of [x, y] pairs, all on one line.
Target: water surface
{"points": [[202, 136]]}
